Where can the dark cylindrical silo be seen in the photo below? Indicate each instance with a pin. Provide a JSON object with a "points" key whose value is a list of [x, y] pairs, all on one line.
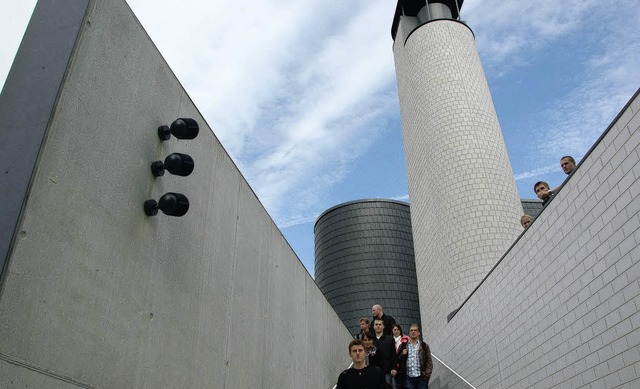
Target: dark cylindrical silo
{"points": [[364, 256]]}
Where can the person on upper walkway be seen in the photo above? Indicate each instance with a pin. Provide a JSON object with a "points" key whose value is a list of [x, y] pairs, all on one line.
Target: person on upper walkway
{"points": [[526, 220], [542, 191], [568, 165]]}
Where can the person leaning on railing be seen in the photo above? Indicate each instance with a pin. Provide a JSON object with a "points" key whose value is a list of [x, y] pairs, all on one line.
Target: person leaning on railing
{"points": [[568, 165]]}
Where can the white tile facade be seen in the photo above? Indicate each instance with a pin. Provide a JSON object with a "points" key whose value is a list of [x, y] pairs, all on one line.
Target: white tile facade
{"points": [[464, 201], [562, 309]]}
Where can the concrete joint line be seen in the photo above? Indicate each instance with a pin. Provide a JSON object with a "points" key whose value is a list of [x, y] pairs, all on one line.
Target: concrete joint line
{"points": [[41, 370]]}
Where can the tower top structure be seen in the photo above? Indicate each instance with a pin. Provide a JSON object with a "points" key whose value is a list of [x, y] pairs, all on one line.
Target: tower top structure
{"points": [[437, 9]]}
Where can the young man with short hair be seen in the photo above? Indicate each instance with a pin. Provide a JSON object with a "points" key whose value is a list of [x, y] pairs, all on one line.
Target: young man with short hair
{"points": [[364, 328], [415, 363], [542, 191], [385, 358], [359, 375], [568, 164]]}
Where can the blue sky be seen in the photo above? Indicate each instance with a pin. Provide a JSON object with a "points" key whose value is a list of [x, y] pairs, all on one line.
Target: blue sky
{"points": [[303, 94]]}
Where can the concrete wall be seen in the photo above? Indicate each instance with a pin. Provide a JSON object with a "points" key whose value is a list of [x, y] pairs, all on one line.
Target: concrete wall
{"points": [[465, 208], [562, 309], [97, 294]]}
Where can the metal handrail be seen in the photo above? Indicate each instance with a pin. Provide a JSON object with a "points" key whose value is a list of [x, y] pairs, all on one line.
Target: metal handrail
{"points": [[454, 372]]}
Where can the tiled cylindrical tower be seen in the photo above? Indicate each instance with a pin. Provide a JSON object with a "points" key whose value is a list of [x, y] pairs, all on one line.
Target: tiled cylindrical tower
{"points": [[364, 256], [464, 202]]}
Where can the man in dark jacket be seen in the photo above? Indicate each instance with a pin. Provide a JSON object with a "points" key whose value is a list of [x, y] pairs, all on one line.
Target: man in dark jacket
{"points": [[364, 329], [414, 359], [389, 321], [385, 357], [360, 376]]}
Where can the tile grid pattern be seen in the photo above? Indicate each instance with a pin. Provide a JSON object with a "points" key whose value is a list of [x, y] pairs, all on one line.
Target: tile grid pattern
{"points": [[465, 206], [364, 256], [563, 308]]}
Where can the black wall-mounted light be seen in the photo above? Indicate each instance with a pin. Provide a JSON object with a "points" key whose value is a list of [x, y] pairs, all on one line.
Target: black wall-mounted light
{"points": [[172, 204], [176, 163], [182, 128]]}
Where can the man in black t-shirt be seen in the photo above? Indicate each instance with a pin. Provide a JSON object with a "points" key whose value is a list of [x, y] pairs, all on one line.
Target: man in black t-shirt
{"points": [[360, 376]]}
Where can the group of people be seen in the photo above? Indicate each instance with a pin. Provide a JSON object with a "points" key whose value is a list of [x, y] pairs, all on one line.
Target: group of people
{"points": [[383, 357], [543, 191]]}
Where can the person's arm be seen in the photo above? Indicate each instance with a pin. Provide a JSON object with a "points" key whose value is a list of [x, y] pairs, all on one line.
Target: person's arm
{"points": [[557, 188], [394, 358], [342, 384], [429, 365], [391, 323], [402, 353], [381, 383]]}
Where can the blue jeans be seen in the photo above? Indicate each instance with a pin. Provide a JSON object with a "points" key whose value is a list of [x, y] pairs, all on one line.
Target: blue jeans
{"points": [[416, 383]]}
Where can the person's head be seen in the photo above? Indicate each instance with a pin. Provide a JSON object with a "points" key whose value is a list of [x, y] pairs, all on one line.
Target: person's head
{"points": [[378, 326], [367, 341], [525, 220], [567, 163], [356, 351], [542, 190], [376, 310], [364, 324], [414, 331], [397, 330]]}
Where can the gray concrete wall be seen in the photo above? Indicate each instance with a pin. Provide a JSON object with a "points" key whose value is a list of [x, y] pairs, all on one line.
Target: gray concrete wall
{"points": [[562, 308], [97, 294], [37, 70]]}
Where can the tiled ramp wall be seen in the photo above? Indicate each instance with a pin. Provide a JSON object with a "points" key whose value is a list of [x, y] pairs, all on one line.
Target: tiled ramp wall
{"points": [[562, 308]]}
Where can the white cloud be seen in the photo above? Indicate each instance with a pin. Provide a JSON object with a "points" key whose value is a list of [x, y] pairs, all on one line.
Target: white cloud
{"points": [[297, 91], [536, 172], [509, 32], [611, 76], [404, 198], [511, 35], [294, 90]]}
